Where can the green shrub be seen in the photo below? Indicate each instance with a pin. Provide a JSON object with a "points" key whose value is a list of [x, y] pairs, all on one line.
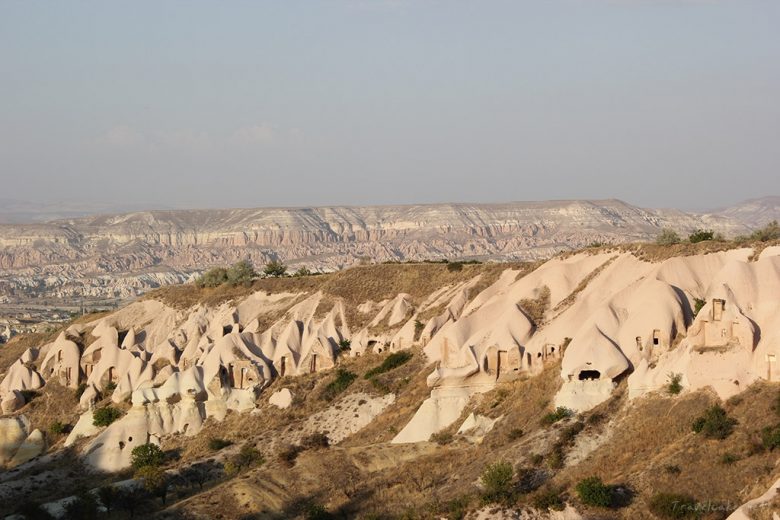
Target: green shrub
{"points": [[673, 506], [728, 459], [108, 497], [241, 272], [667, 237], [701, 235], [343, 379], [496, 480], [58, 428], [770, 437], [345, 345], [213, 277], [593, 492], [570, 432], [147, 455], [105, 416], [216, 444], [715, 423], [698, 304], [82, 507], [537, 458], [674, 386], [248, 457], [275, 269], [109, 388], [317, 512], [559, 414], [418, 328], [394, 360], [302, 271], [555, 458], [769, 232]]}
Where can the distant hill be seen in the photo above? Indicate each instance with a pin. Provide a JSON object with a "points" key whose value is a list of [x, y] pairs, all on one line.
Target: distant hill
{"points": [[753, 212], [121, 255]]}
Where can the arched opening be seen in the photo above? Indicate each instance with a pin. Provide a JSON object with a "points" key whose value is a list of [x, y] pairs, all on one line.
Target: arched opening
{"points": [[589, 375]]}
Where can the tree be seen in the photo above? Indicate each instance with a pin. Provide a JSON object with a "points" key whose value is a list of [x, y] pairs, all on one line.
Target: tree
{"points": [[241, 272], [302, 271], [105, 416], [701, 235], [155, 481], [715, 423], [213, 277], [667, 238], [769, 232], [275, 269], [82, 507], [147, 455], [197, 474], [497, 481]]}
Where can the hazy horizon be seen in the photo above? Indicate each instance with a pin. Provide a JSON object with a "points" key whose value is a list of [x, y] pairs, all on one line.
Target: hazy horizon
{"points": [[669, 103]]}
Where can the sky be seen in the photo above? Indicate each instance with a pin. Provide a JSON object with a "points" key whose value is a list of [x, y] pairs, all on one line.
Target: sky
{"points": [[176, 104]]}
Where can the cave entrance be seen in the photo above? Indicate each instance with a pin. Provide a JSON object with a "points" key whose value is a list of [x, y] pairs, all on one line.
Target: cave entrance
{"points": [[589, 375]]}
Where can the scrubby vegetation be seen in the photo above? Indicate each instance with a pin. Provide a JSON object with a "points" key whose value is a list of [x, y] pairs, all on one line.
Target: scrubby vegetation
{"points": [[394, 360], [714, 423], [673, 506], [674, 386], [147, 455], [239, 273], [341, 382], [497, 482], [593, 492], [667, 237], [105, 416], [275, 269], [558, 414], [700, 235], [536, 308], [216, 444]]}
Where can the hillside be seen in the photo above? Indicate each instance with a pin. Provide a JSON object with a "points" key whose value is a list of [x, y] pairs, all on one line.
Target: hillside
{"points": [[123, 255], [390, 391]]}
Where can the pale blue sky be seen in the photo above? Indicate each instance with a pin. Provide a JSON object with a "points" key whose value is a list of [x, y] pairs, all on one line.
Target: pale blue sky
{"points": [[216, 104]]}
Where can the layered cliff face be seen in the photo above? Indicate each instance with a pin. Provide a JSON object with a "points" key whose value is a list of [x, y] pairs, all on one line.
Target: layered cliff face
{"points": [[146, 249]]}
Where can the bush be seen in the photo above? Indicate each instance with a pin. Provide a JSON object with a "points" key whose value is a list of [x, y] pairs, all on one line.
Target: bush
{"points": [[454, 267], [769, 232], [394, 360], [496, 480], [58, 428], [515, 433], [698, 304], [147, 455], [570, 433], [418, 328], [315, 441], [302, 271], [536, 308], [275, 269], [105, 416], [667, 237], [555, 458], [673, 506], [701, 235], [728, 459], [241, 272], [247, 457], [343, 379], [156, 481], [675, 386], [559, 414], [289, 453], [715, 423], [216, 444], [213, 277], [109, 388], [770, 437], [345, 345], [442, 438], [549, 499], [593, 492]]}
